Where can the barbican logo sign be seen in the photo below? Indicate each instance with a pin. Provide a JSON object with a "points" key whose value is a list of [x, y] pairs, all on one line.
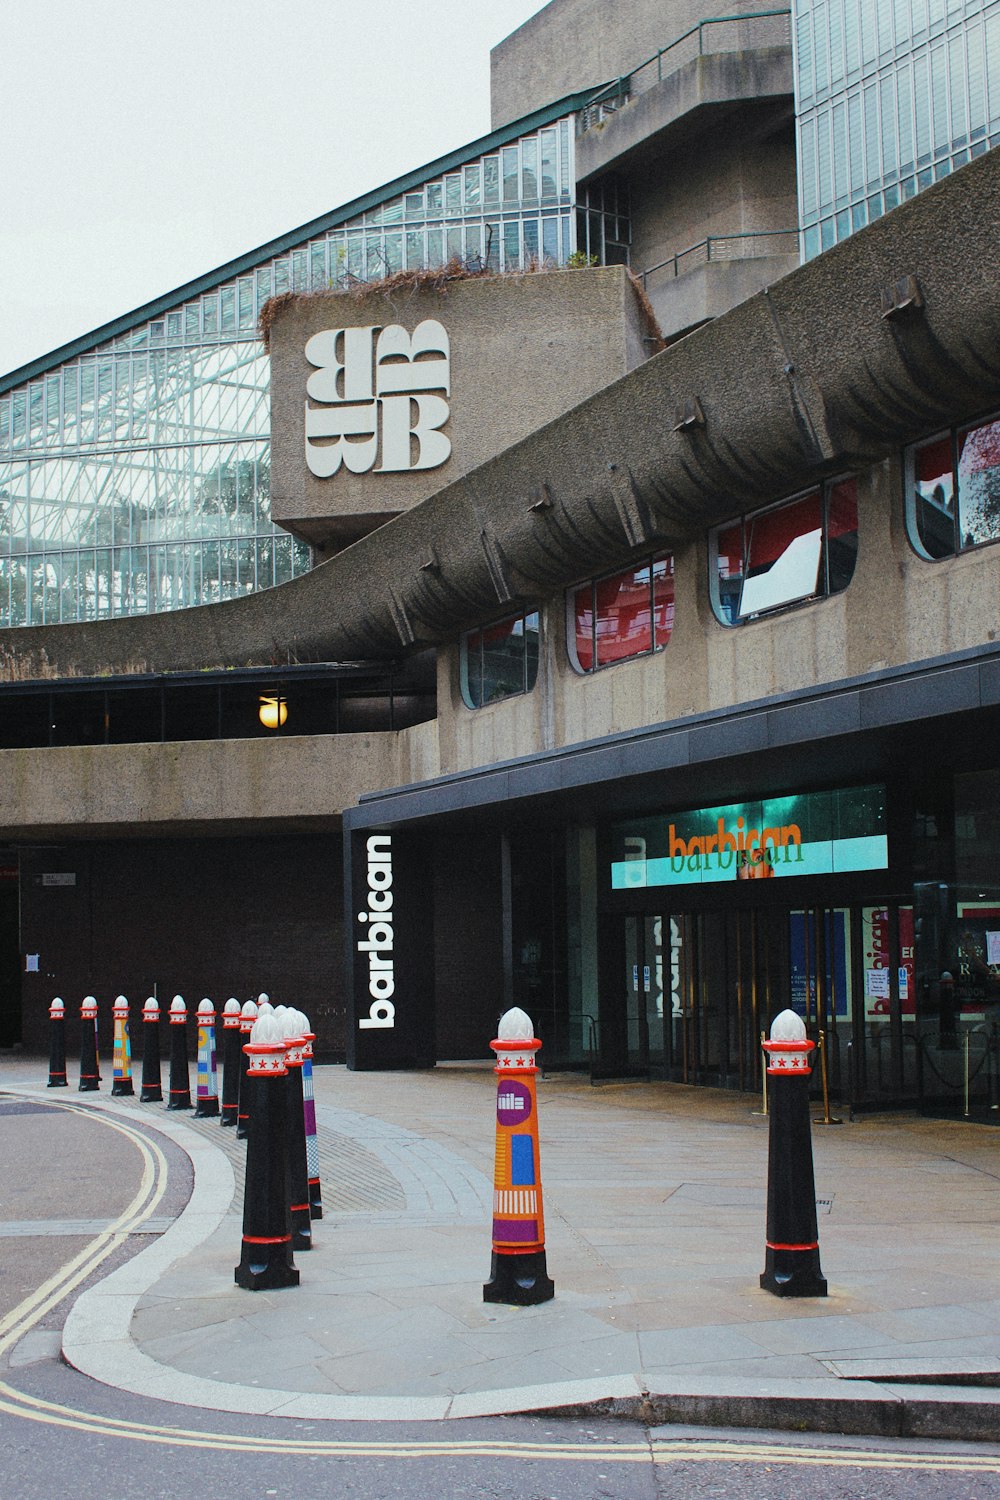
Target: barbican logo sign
{"points": [[378, 399], [806, 833], [377, 939]]}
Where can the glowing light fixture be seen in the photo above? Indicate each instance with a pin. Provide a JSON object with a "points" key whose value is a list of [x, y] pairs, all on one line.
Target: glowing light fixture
{"points": [[273, 711]]}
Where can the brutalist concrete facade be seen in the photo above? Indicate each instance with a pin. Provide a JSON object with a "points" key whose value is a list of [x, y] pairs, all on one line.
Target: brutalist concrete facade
{"points": [[897, 676], [521, 350]]}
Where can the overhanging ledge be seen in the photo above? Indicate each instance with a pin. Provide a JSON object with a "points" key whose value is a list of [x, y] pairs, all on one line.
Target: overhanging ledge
{"points": [[822, 734]]}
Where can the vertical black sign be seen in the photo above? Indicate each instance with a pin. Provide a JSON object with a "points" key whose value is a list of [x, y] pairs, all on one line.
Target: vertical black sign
{"points": [[389, 922]]}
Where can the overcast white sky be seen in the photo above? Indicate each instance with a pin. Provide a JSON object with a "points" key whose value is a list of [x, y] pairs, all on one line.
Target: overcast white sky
{"points": [[143, 144]]}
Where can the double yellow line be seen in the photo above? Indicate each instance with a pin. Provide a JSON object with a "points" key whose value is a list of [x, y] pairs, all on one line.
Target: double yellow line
{"points": [[656, 1449], [153, 1184]]}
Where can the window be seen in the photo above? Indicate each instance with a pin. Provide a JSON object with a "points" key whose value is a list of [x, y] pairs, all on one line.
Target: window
{"points": [[500, 660], [804, 548], [953, 490], [622, 614]]}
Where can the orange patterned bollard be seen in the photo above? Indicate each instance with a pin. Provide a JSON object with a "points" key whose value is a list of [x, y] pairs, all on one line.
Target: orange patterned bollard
{"points": [[518, 1273], [122, 1054]]}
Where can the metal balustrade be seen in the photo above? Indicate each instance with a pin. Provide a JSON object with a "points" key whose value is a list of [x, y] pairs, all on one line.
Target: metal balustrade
{"points": [[714, 34]]}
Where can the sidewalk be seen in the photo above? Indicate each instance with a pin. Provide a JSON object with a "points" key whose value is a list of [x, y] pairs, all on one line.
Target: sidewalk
{"points": [[654, 1205]]}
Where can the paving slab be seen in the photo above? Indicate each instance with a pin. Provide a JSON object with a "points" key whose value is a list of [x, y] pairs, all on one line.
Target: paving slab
{"points": [[654, 1199]]}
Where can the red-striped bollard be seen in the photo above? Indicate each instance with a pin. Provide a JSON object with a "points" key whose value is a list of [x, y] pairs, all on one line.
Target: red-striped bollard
{"points": [[791, 1263], [122, 1056], [151, 1091], [248, 1016], [309, 1111], [57, 1045], [207, 1088], [90, 1072], [296, 1028], [266, 1261], [231, 1059], [180, 1078], [518, 1273]]}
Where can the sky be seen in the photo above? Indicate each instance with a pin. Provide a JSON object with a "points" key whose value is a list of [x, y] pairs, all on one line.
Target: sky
{"points": [[144, 144]]}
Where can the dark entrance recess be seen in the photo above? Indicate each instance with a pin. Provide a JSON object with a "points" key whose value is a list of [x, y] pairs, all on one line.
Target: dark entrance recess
{"points": [[10, 954], [687, 996]]}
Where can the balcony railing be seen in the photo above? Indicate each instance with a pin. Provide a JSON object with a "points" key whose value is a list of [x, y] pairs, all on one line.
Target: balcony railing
{"points": [[747, 246], [755, 29]]}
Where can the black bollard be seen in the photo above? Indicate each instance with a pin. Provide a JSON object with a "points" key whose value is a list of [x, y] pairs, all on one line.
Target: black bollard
{"points": [[151, 1091], [248, 1016], [57, 1045], [90, 1073], [121, 1085], [232, 1057], [791, 1264], [180, 1079], [296, 1028], [266, 1262]]}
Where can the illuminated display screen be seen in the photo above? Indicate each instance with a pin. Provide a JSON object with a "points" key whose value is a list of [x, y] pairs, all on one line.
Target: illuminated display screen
{"points": [[812, 833]]}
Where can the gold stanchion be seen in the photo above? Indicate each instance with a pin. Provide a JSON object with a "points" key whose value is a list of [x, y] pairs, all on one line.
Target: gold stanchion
{"points": [[827, 1119], [763, 1074]]}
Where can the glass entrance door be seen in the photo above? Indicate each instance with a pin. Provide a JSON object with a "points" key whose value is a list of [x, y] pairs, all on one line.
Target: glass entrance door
{"points": [[644, 994]]}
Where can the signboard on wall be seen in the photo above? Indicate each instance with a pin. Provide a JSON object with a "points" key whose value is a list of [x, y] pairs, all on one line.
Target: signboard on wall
{"points": [[808, 833], [390, 933]]}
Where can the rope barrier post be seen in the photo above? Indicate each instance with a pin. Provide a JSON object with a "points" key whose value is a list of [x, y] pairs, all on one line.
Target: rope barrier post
{"points": [[763, 1072], [180, 1079], [90, 1072], [248, 1016], [266, 1261], [827, 1119], [57, 1045], [122, 1084], [791, 1265], [151, 1091], [518, 1273], [232, 1057], [207, 1088]]}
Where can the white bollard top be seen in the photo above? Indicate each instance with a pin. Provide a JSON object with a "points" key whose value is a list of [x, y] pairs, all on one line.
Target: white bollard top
{"points": [[120, 1003], [788, 1027], [205, 1007], [56, 1005], [231, 1008], [177, 1005], [267, 1028], [263, 998], [515, 1026], [249, 1008], [151, 1004]]}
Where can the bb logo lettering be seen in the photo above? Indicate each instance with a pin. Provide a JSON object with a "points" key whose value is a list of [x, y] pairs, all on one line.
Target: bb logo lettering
{"points": [[376, 402]]}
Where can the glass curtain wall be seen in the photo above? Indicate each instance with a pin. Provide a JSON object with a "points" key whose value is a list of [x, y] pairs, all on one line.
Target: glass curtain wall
{"points": [[890, 96], [135, 476]]}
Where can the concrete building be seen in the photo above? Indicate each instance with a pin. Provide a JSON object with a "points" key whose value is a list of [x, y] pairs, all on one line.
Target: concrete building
{"points": [[650, 688]]}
